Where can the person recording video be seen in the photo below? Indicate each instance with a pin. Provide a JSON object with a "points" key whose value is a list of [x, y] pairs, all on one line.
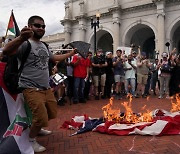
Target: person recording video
{"points": [[118, 61], [99, 64], [130, 71]]}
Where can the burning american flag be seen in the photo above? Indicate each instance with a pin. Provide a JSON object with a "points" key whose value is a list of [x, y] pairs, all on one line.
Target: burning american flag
{"points": [[157, 122]]}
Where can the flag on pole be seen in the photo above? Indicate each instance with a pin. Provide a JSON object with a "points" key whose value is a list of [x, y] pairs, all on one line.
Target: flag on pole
{"points": [[12, 28], [14, 122]]}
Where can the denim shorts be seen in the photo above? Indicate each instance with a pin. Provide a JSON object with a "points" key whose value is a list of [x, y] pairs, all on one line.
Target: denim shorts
{"points": [[119, 78]]}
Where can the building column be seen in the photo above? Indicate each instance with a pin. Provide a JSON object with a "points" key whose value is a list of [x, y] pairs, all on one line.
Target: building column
{"points": [[116, 29], [160, 26], [82, 29], [82, 21], [67, 24], [67, 32]]}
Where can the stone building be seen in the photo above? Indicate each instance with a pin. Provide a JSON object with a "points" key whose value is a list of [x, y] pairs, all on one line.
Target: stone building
{"points": [[146, 23], [55, 41]]}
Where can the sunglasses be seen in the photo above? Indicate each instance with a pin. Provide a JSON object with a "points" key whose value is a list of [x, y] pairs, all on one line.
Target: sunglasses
{"points": [[39, 26]]}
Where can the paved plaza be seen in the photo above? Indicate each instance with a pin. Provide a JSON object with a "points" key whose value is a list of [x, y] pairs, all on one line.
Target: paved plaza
{"points": [[96, 143]]}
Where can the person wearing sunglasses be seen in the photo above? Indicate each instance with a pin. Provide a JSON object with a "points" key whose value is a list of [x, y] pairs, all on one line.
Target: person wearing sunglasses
{"points": [[34, 79]]}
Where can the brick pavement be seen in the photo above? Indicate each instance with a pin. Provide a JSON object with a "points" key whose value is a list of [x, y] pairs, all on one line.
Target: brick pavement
{"points": [[95, 143]]}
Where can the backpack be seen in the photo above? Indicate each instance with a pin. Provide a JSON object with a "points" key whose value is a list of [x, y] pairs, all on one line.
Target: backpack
{"points": [[12, 72]]}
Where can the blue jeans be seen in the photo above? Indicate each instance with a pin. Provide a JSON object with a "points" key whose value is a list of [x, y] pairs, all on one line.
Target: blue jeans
{"points": [[79, 85], [132, 82]]}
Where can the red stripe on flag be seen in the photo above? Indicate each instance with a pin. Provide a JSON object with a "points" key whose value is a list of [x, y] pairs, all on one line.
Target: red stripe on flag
{"points": [[7, 133], [17, 130], [11, 23]]}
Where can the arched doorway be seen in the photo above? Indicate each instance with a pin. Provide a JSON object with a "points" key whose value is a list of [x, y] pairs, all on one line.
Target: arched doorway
{"points": [[175, 33], [143, 36], [104, 41]]}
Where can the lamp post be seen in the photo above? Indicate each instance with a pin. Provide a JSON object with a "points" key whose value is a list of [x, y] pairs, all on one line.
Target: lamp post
{"points": [[95, 24]]}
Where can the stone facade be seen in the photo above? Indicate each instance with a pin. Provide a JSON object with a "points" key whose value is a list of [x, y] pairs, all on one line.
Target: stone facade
{"points": [[148, 23], [55, 41]]}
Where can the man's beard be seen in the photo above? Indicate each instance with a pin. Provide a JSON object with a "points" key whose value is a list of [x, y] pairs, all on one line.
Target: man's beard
{"points": [[37, 36]]}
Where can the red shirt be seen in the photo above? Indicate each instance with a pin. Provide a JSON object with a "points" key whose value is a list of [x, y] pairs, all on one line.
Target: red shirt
{"points": [[80, 69]]}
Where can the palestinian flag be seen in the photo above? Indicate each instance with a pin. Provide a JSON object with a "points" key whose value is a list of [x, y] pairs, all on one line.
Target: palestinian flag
{"points": [[14, 122], [12, 28]]}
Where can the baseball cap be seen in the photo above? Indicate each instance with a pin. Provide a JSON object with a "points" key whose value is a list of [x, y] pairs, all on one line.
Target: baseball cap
{"points": [[143, 53], [107, 53]]}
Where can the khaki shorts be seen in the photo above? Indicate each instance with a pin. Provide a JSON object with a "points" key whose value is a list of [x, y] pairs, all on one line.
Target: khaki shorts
{"points": [[102, 79], [42, 104], [142, 79]]}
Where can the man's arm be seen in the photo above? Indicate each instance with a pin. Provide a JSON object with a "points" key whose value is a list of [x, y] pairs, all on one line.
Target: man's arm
{"points": [[139, 63], [117, 61], [63, 56], [76, 60], [87, 69], [93, 63], [104, 65], [139, 52], [11, 47], [148, 64]]}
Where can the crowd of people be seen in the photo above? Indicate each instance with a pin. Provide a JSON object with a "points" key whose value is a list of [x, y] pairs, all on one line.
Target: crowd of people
{"points": [[48, 78], [103, 75]]}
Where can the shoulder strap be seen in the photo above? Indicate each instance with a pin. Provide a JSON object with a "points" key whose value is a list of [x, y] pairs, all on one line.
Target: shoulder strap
{"points": [[47, 46], [25, 56]]}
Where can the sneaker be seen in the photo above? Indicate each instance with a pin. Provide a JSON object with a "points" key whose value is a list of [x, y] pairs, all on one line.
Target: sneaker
{"points": [[144, 96], [36, 146], [167, 97], [136, 96], [60, 102], [44, 132], [160, 97]]}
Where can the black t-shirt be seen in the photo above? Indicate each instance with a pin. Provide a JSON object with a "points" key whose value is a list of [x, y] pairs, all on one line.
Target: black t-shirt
{"points": [[109, 68], [98, 60], [174, 83]]}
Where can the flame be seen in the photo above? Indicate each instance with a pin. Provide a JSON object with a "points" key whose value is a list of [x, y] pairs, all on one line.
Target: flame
{"points": [[176, 105], [109, 113], [129, 116], [148, 98]]}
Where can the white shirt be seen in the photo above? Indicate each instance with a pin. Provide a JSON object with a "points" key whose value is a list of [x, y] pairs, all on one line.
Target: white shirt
{"points": [[130, 73]]}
